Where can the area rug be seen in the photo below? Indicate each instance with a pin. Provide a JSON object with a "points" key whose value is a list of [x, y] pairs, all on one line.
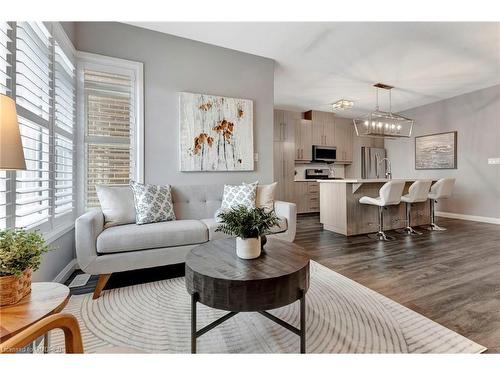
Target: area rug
{"points": [[342, 317]]}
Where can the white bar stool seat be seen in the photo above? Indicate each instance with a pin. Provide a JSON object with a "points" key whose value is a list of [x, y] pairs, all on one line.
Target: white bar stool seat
{"points": [[440, 190], [389, 195], [418, 192]]}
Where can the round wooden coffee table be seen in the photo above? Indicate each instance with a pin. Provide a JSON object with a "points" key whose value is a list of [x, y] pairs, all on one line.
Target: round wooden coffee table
{"points": [[46, 298], [217, 278]]}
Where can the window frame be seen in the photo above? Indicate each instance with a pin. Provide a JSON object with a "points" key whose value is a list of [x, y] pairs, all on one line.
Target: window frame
{"points": [[112, 65]]}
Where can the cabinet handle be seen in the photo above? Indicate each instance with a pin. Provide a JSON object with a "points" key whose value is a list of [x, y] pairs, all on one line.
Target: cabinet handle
{"points": [[283, 174], [283, 132]]}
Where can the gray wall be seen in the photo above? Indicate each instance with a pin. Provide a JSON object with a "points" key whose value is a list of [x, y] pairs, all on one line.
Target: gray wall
{"points": [[476, 117], [53, 262], [172, 65]]}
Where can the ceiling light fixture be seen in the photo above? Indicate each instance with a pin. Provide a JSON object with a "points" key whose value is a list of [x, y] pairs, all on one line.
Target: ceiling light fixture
{"points": [[395, 125], [342, 104]]}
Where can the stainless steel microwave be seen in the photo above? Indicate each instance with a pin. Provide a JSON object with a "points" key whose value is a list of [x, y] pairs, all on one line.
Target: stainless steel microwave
{"points": [[324, 153]]}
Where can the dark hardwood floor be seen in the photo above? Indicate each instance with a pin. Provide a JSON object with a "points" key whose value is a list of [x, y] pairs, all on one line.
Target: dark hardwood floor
{"points": [[451, 277]]}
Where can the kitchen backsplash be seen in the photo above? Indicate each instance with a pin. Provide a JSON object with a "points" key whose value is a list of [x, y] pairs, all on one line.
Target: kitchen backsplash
{"points": [[300, 169]]}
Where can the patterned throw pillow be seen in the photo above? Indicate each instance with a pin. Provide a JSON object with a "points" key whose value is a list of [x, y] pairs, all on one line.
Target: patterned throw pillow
{"points": [[153, 203], [235, 195]]}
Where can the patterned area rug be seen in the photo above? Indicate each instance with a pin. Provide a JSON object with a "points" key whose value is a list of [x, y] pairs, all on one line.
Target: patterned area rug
{"points": [[342, 317]]}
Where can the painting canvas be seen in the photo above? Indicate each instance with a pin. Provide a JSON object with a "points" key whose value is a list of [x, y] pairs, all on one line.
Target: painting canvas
{"points": [[436, 151], [216, 133]]}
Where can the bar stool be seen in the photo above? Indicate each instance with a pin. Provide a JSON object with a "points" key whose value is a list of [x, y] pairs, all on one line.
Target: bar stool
{"points": [[389, 195], [418, 192], [440, 190]]}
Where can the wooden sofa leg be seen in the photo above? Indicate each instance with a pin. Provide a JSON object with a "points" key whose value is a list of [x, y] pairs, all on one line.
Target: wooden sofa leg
{"points": [[101, 283]]}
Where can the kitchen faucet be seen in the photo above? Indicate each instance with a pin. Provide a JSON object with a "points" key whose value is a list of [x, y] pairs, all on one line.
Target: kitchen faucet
{"points": [[388, 173]]}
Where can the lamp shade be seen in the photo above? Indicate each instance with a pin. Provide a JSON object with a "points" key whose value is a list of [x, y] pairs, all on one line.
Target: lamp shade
{"points": [[11, 147]]}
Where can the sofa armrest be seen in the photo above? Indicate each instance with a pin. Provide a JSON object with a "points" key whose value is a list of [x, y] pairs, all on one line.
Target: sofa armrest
{"points": [[87, 228], [289, 211]]}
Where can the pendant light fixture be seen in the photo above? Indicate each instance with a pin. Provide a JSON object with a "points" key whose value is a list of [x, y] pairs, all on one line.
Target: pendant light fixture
{"points": [[382, 124]]}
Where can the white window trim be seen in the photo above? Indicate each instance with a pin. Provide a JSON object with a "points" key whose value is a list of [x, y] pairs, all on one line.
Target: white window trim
{"points": [[117, 66]]}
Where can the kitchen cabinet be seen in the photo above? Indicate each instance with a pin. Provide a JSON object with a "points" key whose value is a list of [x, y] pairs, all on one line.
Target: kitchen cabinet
{"points": [[303, 140], [306, 196], [344, 133], [323, 127], [284, 153]]}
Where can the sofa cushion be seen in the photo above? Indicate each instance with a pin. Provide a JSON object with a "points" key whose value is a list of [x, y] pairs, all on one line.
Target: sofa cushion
{"points": [[212, 225], [134, 237], [117, 204], [153, 203], [265, 196], [196, 201]]}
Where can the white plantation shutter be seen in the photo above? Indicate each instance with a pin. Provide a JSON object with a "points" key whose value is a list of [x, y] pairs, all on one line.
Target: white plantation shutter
{"points": [[33, 98], [4, 58], [40, 76], [5, 88], [33, 185], [65, 119], [33, 68], [109, 136]]}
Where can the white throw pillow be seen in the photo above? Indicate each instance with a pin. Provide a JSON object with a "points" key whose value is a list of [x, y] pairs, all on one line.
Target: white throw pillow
{"points": [[117, 204], [265, 196], [153, 203], [235, 195]]}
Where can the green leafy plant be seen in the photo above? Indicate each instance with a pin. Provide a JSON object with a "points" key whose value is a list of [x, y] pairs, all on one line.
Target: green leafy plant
{"points": [[19, 250], [245, 222]]}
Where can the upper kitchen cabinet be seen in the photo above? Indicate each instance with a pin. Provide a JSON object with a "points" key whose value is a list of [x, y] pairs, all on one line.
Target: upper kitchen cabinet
{"points": [[344, 139], [323, 127], [284, 125], [303, 140]]}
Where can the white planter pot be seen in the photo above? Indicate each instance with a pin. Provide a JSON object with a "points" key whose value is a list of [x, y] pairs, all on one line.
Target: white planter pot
{"points": [[248, 248]]}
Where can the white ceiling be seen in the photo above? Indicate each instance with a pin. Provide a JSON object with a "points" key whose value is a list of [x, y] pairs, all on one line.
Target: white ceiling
{"points": [[319, 63]]}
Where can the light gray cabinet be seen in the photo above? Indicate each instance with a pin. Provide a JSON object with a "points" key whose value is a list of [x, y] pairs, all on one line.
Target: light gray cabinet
{"points": [[323, 127], [344, 132], [306, 196], [303, 140], [284, 153]]}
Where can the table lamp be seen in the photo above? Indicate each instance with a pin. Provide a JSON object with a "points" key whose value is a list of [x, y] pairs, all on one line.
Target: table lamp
{"points": [[11, 147]]}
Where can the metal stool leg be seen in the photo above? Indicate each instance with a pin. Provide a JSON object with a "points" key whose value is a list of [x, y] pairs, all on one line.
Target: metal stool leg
{"points": [[409, 229], [433, 225], [380, 235]]}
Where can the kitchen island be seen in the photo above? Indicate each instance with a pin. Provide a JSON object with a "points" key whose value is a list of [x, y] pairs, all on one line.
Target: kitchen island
{"points": [[341, 212]]}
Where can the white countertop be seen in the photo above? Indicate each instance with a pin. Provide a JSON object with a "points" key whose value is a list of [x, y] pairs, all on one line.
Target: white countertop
{"points": [[367, 180]]}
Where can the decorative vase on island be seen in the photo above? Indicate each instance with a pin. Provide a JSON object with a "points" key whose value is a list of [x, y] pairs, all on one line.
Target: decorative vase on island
{"points": [[248, 248]]}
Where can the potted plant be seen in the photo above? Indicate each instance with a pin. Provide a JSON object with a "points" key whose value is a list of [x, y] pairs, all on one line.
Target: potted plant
{"points": [[248, 225], [20, 255]]}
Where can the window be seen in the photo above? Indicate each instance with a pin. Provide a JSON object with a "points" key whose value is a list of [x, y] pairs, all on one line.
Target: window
{"points": [[112, 97], [37, 69]]}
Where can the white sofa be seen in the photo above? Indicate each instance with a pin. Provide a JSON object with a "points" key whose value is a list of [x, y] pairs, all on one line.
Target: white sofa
{"points": [[127, 247]]}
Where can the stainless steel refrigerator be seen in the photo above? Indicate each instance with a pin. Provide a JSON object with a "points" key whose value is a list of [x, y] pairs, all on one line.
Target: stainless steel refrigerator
{"points": [[371, 167]]}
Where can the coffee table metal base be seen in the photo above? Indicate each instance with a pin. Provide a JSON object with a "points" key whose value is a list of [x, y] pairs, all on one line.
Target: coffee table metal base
{"points": [[300, 332]]}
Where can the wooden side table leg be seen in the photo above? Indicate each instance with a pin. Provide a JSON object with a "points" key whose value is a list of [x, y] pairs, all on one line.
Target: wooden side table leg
{"points": [[303, 323], [194, 300]]}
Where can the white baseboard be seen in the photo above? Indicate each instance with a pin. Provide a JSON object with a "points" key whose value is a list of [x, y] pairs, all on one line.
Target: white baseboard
{"points": [[482, 219], [66, 272]]}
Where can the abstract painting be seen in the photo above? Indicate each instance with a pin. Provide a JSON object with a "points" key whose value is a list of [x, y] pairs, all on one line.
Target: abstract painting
{"points": [[216, 133], [436, 151]]}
